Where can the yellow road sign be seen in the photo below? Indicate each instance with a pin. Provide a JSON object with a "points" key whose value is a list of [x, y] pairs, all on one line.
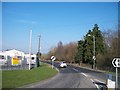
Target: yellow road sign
{"points": [[15, 61]]}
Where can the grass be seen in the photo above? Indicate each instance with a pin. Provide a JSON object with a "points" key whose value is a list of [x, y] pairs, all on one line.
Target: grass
{"points": [[17, 78], [0, 79], [113, 73]]}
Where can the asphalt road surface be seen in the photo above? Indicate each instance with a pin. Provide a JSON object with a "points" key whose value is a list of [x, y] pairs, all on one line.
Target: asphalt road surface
{"points": [[73, 77]]}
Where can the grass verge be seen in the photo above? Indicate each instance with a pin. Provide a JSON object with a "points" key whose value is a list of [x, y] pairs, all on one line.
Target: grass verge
{"points": [[17, 78], [0, 79]]}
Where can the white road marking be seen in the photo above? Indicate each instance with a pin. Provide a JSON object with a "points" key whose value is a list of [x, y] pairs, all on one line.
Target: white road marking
{"points": [[84, 74], [99, 81], [95, 84], [57, 69], [92, 80], [75, 69]]}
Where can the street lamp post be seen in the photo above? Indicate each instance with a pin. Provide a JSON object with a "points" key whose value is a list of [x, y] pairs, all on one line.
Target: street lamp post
{"points": [[39, 43], [94, 57], [30, 49]]}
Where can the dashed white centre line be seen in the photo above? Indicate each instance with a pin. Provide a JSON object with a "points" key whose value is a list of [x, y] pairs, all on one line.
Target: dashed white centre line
{"points": [[84, 74], [75, 69]]}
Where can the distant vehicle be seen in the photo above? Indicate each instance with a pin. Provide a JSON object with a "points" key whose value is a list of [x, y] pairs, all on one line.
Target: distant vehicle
{"points": [[63, 64]]}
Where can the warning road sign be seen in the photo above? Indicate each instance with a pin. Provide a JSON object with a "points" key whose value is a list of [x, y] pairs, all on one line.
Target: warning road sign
{"points": [[116, 62], [53, 58]]}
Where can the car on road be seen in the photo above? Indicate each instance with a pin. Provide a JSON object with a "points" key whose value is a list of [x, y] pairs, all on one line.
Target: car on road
{"points": [[63, 64]]}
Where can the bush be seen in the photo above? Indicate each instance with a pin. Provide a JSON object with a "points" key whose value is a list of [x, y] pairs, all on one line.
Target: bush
{"points": [[104, 62]]}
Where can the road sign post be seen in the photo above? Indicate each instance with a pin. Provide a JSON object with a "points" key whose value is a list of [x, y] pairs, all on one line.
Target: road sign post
{"points": [[116, 64], [52, 64], [53, 59], [116, 78]]}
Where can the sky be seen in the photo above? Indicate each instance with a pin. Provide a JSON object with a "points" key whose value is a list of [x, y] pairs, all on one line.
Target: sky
{"points": [[54, 21]]}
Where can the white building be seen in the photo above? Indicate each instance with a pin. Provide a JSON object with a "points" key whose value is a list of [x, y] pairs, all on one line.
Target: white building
{"points": [[11, 54], [14, 53]]}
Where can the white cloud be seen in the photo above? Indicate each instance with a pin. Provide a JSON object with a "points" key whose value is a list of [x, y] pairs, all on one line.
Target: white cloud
{"points": [[26, 21]]}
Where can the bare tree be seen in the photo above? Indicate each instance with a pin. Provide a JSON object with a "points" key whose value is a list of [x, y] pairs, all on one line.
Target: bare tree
{"points": [[111, 42], [64, 52], [70, 52], [59, 51]]}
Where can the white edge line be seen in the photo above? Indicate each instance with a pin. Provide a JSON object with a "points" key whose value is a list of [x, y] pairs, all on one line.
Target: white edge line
{"points": [[99, 81], [95, 84], [92, 80], [57, 69]]}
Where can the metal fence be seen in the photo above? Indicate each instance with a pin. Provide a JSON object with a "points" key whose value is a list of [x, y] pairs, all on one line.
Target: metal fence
{"points": [[23, 65]]}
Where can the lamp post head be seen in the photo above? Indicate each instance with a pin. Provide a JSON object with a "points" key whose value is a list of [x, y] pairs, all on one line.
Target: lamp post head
{"points": [[39, 35], [89, 35]]}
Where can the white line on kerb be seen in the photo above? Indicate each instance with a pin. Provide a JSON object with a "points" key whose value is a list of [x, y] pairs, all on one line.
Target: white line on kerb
{"points": [[75, 69], [84, 74]]}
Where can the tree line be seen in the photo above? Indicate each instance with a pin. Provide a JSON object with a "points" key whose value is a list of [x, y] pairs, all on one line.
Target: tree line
{"points": [[64, 52], [106, 48]]}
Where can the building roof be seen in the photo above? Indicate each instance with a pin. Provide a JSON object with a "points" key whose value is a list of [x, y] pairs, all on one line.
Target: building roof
{"points": [[14, 52]]}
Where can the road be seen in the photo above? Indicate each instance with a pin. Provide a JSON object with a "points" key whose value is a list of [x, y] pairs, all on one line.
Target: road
{"points": [[72, 77]]}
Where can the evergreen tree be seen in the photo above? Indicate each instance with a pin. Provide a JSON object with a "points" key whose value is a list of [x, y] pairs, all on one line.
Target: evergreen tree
{"points": [[99, 44], [79, 54], [99, 41], [86, 47]]}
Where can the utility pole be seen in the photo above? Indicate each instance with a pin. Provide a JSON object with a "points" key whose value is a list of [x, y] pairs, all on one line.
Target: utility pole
{"points": [[94, 57], [30, 48], [39, 43], [94, 52], [38, 53]]}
